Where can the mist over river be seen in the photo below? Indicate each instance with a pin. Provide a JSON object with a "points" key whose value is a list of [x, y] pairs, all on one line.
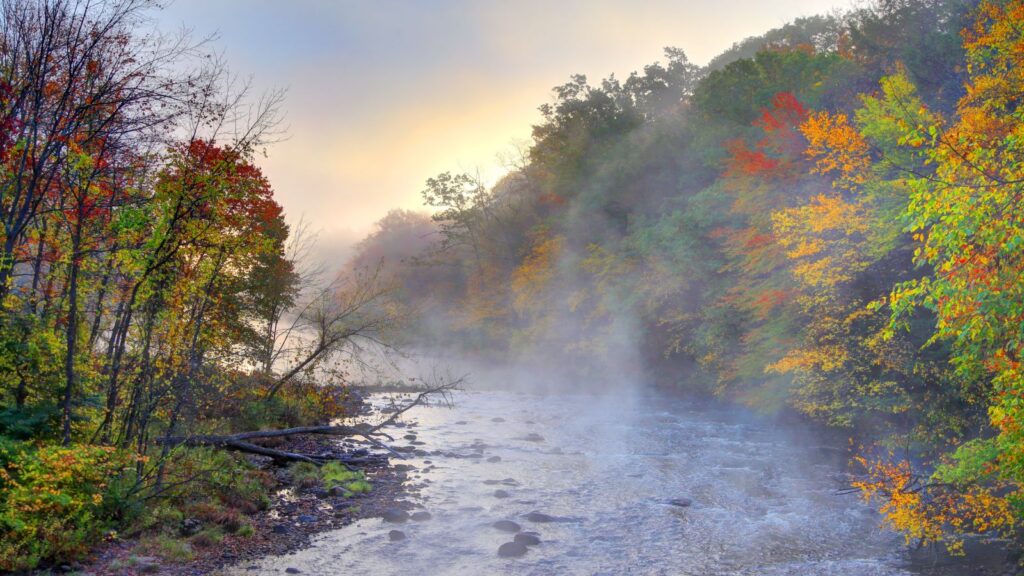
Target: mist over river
{"points": [[758, 498]]}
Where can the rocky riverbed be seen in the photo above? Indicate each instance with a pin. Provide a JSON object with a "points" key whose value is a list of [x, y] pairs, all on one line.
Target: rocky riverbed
{"points": [[510, 483]]}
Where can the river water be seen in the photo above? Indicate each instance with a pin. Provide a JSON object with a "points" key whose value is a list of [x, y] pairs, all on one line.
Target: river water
{"points": [[764, 497]]}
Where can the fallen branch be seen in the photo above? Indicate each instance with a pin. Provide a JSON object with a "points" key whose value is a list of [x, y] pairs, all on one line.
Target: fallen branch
{"points": [[444, 389], [241, 442]]}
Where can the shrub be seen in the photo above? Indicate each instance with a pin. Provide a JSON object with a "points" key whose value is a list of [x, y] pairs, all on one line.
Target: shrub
{"points": [[205, 475], [58, 500]]}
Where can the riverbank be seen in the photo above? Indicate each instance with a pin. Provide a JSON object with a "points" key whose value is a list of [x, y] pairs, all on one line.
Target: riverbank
{"points": [[300, 507]]}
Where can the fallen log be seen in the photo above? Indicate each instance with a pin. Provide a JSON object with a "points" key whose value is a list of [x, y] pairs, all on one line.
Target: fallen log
{"points": [[238, 443], [241, 442]]}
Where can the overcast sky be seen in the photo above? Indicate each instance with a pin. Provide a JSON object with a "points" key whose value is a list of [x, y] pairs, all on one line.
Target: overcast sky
{"points": [[383, 94]]}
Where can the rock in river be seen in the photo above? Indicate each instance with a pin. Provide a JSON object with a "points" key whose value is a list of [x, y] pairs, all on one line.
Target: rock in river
{"points": [[681, 502], [494, 459], [396, 535], [527, 539], [396, 515], [421, 516], [540, 517], [511, 550], [507, 526], [501, 494]]}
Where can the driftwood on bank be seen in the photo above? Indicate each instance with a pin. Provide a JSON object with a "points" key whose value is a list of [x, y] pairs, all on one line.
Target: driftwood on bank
{"points": [[242, 441]]}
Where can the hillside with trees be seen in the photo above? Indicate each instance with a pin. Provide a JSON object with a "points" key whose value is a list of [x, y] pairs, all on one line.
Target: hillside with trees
{"points": [[824, 221]]}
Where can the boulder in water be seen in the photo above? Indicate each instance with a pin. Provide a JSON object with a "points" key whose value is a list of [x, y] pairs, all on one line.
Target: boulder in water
{"points": [[681, 502], [540, 517], [421, 516], [396, 535], [501, 494], [512, 550], [527, 538], [395, 515], [507, 526]]}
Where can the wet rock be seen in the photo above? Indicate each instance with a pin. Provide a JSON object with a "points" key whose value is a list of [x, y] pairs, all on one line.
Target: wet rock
{"points": [[681, 502], [409, 436], [403, 467], [507, 526], [540, 517], [395, 515], [533, 437], [511, 550], [493, 459], [461, 423], [190, 527], [497, 419], [501, 494], [306, 519], [421, 516], [475, 455], [396, 535], [279, 529], [527, 539], [292, 571], [492, 482], [510, 482], [145, 564], [337, 491]]}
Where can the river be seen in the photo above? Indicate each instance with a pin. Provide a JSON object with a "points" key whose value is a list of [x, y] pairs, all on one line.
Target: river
{"points": [[763, 498]]}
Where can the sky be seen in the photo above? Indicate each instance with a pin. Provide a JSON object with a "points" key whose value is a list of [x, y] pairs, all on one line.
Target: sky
{"points": [[383, 94]]}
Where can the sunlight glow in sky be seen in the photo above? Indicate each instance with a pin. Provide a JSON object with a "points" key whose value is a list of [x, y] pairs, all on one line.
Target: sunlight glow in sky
{"points": [[383, 94]]}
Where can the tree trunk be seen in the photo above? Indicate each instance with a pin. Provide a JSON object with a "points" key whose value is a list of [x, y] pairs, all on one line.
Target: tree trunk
{"points": [[72, 329]]}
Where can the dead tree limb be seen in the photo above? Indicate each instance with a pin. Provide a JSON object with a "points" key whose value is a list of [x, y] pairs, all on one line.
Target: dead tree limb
{"points": [[241, 442]]}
